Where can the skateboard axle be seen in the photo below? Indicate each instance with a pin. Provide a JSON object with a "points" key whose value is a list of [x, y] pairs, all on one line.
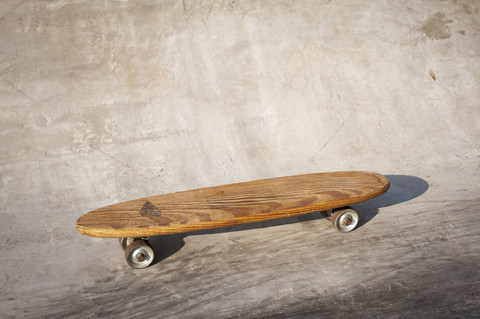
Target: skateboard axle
{"points": [[347, 221], [140, 257]]}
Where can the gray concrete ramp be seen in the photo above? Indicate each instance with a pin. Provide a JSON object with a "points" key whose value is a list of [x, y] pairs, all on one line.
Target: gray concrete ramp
{"points": [[107, 101]]}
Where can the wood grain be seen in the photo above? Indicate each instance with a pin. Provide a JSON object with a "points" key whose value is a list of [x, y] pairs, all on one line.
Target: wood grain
{"points": [[232, 204]]}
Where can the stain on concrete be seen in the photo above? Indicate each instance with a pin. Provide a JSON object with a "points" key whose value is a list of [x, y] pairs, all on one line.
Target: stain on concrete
{"points": [[466, 8], [436, 27]]}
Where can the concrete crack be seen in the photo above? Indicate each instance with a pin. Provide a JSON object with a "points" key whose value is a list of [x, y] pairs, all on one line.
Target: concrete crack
{"points": [[108, 155], [328, 141], [119, 161]]}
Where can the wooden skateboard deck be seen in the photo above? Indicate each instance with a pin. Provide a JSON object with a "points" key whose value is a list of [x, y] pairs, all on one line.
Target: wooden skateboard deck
{"points": [[235, 204]]}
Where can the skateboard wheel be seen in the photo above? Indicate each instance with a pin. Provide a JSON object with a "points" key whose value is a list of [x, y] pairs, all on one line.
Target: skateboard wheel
{"points": [[139, 254], [124, 242], [345, 219]]}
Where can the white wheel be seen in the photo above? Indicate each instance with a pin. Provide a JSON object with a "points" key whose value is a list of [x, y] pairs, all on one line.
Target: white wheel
{"points": [[345, 219], [139, 254]]}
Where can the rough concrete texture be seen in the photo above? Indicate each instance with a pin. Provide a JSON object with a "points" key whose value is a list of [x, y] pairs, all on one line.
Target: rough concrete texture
{"points": [[105, 101]]}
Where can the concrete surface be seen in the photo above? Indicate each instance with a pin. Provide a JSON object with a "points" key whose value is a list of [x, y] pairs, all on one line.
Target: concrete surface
{"points": [[105, 101]]}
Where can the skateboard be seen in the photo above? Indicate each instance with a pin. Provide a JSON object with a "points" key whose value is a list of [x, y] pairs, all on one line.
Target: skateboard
{"points": [[227, 205]]}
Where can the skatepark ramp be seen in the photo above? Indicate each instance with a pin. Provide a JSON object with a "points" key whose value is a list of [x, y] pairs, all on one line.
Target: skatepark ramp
{"points": [[103, 102]]}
